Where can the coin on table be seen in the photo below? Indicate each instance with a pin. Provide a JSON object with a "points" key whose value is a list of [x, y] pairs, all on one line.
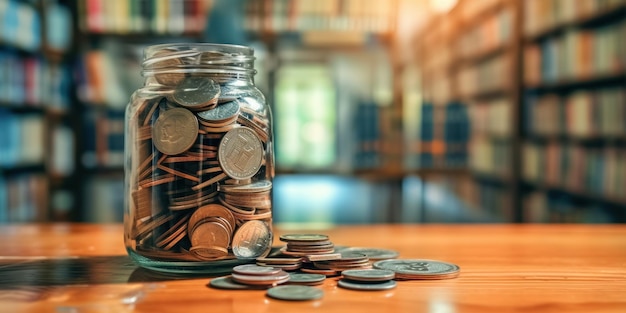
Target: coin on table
{"points": [[221, 112], [306, 279], [303, 237], [419, 269], [374, 254], [227, 282], [385, 285], [265, 280], [251, 269], [175, 131], [295, 293], [369, 275], [196, 93], [240, 153], [252, 240]]}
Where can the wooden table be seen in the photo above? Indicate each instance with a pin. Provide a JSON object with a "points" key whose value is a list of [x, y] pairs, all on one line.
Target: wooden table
{"points": [[504, 268]]}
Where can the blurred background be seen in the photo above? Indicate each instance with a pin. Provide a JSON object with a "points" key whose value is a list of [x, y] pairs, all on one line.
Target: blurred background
{"points": [[401, 111]]}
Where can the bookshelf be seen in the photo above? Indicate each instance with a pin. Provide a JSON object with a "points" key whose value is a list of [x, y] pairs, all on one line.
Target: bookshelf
{"points": [[545, 92], [36, 163]]}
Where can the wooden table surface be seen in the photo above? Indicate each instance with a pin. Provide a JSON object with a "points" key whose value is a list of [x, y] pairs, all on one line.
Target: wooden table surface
{"points": [[504, 268]]}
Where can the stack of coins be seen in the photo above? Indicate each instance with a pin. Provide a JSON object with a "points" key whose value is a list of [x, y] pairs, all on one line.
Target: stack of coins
{"points": [[201, 167], [311, 247], [286, 264], [250, 274], [419, 269], [369, 279], [347, 261]]}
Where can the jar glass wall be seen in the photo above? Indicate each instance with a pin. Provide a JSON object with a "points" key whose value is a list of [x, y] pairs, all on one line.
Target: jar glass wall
{"points": [[199, 161]]}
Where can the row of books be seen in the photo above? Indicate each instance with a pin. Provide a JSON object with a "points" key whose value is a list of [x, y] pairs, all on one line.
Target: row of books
{"points": [[469, 10], [490, 76], [494, 31], [32, 81], [23, 198], [21, 25], [21, 138], [583, 114], [367, 135], [579, 54], [321, 15], [556, 207], [103, 139], [490, 156], [492, 117], [577, 168], [444, 135], [491, 200], [542, 15], [104, 196], [99, 79], [143, 16]]}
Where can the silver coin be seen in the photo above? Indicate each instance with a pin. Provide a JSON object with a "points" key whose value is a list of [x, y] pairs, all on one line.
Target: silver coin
{"points": [[374, 254], [251, 240], [303, 237], [251, 269], [196, 92], [227, 282], [368, 275], [279, 278], [258, 186], [386, 285], [221, 112], [303, 278], [175, 131], [240, 153], [295, 293], [417, 267]]}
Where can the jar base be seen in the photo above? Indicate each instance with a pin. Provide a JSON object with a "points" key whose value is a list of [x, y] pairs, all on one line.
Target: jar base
{"points": [[220, 267]]}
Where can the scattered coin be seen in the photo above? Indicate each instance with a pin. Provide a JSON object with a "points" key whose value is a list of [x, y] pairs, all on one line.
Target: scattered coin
{"points": [[374, 254], [227, 282], [175, 131], [303, 237], [251, 269], [306, 279], [265, 280], [419, 269], [369, 275], [375, 286], [295, 293]]}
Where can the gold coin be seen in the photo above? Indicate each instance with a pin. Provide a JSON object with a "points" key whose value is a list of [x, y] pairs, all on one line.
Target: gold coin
{"points": [[175, 131]]}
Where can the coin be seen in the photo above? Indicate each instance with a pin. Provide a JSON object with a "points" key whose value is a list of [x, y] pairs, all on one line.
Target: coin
{"points": [[419, 269], [222, 112], [252, 240], [196, 93], [368, 275], [175, 131], [240, 153], [306, 279], [270, 279], [251, 269], [165, 62], [227, 282], [386, 285], [303, 237], [295, 293], [374, 254], [258, 186], [210, 210]]}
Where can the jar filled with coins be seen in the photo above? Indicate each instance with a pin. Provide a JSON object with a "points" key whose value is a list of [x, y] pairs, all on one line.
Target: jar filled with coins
{"points": [[199, 161]]}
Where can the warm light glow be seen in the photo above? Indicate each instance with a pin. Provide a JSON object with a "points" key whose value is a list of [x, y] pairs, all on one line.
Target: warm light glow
{"points": [[442, 6]]}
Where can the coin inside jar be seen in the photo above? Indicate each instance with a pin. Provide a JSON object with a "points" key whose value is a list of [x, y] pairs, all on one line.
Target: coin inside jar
{"points": [[240, 153], [175, 131], [196, 93]]}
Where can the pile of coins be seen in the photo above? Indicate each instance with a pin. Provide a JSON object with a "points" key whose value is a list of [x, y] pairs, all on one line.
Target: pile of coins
{"points": [[201, 165], [369, 279], [352, 264]]}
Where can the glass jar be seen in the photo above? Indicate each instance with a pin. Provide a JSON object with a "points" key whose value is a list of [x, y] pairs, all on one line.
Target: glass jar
{"points": [[199, 161]]}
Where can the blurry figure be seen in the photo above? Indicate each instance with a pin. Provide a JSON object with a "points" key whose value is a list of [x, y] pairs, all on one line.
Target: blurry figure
{"points": [[225, 23]]}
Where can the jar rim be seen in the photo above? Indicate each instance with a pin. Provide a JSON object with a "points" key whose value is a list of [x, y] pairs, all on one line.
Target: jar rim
{"points": [[200, 47]]}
